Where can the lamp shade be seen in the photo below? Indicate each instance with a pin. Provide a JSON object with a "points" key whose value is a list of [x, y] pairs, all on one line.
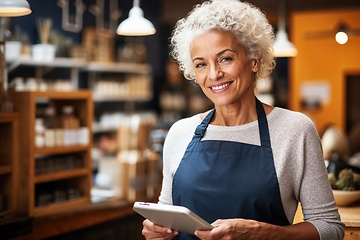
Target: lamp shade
{"points": [[14, 8], [136, 24], [282, 46]]}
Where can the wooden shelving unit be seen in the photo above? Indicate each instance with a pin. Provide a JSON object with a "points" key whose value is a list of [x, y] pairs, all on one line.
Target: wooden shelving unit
{"points": [[8, 163], [33, 184]]}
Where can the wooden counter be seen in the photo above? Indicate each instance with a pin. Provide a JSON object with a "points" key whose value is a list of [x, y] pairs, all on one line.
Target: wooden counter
{"points": [[87, 217], [351, 217], [91, 215]]}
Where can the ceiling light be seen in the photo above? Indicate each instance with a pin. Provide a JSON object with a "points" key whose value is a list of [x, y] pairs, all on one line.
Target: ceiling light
{"points": [[14, 8], [341, 37], [136, 24], [282, 46]]}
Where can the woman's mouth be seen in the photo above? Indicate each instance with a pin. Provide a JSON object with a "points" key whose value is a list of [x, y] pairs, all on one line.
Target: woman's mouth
{"points": [[220, 87]]}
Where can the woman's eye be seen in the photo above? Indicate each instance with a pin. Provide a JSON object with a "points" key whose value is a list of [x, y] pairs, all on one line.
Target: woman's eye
{"points": [[199, 65], [225, 59]]}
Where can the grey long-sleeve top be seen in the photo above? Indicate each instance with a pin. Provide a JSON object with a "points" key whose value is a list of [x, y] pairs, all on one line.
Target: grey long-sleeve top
{"points": [[298, 159]]}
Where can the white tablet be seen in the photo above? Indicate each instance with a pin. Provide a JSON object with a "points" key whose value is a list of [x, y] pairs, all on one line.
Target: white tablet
{"points": [[178, 218]]}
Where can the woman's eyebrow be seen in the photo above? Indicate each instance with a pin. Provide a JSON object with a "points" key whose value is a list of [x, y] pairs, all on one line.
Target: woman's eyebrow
{"points": [[217, 55]]}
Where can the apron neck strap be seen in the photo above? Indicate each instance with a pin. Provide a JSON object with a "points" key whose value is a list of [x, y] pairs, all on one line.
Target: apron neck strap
{"points": [[263, 124], [201, 128], [262, 121]]}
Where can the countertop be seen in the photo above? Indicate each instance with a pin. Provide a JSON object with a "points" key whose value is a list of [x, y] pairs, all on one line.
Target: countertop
{"points": [[350, 215]]}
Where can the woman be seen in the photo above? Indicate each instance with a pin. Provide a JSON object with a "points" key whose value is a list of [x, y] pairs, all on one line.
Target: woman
{"points": [[243, 166]]}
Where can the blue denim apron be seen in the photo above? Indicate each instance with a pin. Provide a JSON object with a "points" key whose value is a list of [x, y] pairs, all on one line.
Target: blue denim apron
{"points": [[224, 179]]}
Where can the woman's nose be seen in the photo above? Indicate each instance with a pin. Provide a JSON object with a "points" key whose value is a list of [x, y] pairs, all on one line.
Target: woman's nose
{"points": [[215, 72]]}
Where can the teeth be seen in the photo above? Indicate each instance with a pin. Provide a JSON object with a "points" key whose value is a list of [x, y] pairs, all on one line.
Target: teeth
{"points": [[220, 87]]}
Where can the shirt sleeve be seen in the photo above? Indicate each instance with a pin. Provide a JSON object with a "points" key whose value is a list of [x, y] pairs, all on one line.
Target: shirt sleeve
{"points": [[176, 141], [316, 197]]}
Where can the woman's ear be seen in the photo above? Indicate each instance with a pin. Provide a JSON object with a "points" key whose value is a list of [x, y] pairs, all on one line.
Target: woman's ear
{"points": [[255, 65]]}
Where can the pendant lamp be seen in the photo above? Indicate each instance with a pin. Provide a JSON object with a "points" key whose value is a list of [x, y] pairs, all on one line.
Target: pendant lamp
{"points": [[282, 46], [136, 24], [8, 8], [14, 8], [341, 36]]}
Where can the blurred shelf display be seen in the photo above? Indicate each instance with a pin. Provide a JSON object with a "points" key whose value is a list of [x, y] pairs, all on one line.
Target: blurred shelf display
{"points": [[43, 67], [120, 87], [56, 168], [126, 82], [138, 82], [127, 164]]}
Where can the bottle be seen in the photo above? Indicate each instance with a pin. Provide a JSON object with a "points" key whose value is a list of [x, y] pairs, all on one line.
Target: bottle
{"points": [[39, 133], [70, 125], [50, 125], [84, 136]]}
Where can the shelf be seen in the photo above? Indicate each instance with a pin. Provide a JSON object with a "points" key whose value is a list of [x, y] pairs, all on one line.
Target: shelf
{"points": [[54, 176], [118, 67], [8, 117], [71, 95], [122, 98], [76, 65], [27, 104], [83, 65], [60, 207], [5, 170], [57, 62], [61, 150]]}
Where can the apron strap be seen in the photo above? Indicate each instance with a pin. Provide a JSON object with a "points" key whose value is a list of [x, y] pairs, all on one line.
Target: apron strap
{"points": [[262, 121], [263, 125], [201, 128]]}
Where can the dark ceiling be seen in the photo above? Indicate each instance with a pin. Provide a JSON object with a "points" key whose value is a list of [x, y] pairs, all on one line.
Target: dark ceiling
{"points": [[173, 10]]}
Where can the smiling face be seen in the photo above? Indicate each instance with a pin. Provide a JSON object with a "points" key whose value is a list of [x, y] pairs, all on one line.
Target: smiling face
{"points": [[222, 68]]}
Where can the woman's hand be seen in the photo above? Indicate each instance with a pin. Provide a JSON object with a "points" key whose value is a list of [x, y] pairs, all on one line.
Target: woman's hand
{"points": [[153, 231], [234, 229], [239, 229]]}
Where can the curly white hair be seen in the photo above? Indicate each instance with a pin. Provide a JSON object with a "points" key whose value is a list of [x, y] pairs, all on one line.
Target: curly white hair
{"points": [[248, 24]]}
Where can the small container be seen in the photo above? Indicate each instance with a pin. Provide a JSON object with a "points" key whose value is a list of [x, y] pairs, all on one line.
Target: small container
{"points": [[59, 137], [49, 138], [39, 141], [39, 126], [43, 52], [39, 133], [19, 84], [12, 50], [84, 136], [70, 124], [31, 84], [42, 85]]}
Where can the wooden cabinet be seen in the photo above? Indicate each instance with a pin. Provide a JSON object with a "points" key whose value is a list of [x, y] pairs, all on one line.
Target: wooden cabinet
{"points": [[66, 183], [116, 89], [8, 163]]}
